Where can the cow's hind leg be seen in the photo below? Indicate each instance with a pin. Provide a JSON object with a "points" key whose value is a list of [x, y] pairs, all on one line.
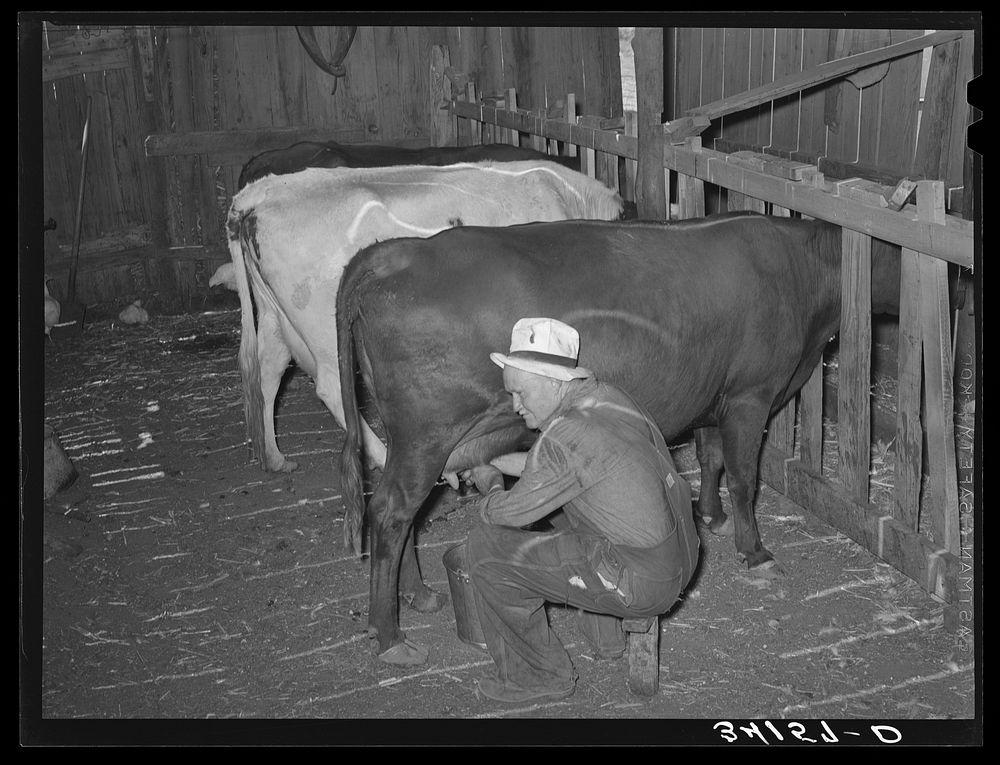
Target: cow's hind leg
{"points": [[400, 493], [273, 355], [708, 443], [742, 429], [412, 589]]}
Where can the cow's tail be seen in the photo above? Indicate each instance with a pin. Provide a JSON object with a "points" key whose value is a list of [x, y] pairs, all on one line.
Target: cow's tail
{"points": [[253, 399], [351, 475]]}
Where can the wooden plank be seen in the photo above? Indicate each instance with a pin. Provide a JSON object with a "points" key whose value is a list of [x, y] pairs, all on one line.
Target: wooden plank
{"points": [[812, 128], [687, 67], [818, 74], [292, 80], [650, 192], [909, 433], [249, 141], [911, 553], [56, 185], [934, 132], [871, 98], [939, 405], [954, 158], [901, 93], [85, 63], [390, 88], [843, 99], [178, 46], [690, 190], [785, 110], [608, 71], [712, 74], [70, 110], [85, 52], [415, 46], [364, 109], [211, 215], [442, 123], [811, 420], [738, 201], [563, 72], [735, 80], [517, 57], [125, 167], [154, 119], [631, 129], [952, 241], [854, 386], [761, 73], [511, 136]]}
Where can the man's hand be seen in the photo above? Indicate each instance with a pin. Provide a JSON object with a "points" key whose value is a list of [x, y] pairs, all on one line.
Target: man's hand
{"points": [[486, 478]]}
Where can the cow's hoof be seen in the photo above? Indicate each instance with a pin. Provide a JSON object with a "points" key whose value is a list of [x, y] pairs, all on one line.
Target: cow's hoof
{"points": [[724, 529], [427, 602], [769, 569], [285, 466], [407, 654]]}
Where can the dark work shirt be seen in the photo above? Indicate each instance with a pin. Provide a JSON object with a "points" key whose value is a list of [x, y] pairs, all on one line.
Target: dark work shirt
{"points": [[602, 459]]}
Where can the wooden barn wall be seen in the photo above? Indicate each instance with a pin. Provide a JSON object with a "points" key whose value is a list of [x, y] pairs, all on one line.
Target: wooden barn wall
{"points": [[874, 127], [206, 80], [96, 64]]}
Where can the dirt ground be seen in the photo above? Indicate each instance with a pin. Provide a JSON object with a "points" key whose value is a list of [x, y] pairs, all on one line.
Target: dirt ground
{"points": [[182, 582]]}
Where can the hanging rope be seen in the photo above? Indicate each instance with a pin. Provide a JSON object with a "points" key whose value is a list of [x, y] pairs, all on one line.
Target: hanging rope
{"points": [[334, 66]]}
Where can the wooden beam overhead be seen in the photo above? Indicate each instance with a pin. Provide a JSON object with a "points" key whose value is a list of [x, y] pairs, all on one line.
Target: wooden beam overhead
{"points": [[819, 74]]}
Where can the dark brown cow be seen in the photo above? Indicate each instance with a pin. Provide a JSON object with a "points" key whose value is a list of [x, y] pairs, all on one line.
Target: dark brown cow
{"points": [[712, 324]]}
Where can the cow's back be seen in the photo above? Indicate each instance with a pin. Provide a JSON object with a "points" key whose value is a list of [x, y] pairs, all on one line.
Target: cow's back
{"points": [[329, 154], [659, 307]]}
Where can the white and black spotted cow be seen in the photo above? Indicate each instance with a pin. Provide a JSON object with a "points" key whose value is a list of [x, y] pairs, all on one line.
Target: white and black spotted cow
{"points": [[290, 237]]}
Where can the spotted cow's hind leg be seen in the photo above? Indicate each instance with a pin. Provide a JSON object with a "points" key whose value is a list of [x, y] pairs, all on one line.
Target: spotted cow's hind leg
{"points": [[273, 355]]}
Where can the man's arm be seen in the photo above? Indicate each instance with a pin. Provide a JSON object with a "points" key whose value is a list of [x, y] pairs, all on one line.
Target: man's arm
{"points": [[510, 464], [549, 480]]}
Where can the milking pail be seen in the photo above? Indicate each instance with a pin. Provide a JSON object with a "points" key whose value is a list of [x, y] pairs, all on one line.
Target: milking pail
{"points": [[463, 597]]}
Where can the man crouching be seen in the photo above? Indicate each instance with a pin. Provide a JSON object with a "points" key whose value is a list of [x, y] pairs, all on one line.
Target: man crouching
{"points": [[624, 543]]}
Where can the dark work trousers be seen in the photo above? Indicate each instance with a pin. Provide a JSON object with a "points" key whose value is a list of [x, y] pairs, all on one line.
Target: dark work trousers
{"points": [[514, 572]]}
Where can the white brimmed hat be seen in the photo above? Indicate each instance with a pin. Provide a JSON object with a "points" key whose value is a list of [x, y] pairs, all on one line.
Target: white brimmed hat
{"points": [[544, 347]]}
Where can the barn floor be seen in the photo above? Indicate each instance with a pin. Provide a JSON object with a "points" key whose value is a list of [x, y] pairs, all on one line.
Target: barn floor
{"points": [[180, 581]]}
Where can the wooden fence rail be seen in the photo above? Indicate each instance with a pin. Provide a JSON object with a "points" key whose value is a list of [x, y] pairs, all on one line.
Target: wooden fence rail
{"points": [[926, 552]]}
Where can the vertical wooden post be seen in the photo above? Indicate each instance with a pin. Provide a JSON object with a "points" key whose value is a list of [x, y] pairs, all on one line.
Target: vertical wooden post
{"points": [[588, 161], [650, 193], [152, 122], [441, 121], [537, 139], [510, 134], [571, 119], [475, 126], [691, 190], [610, 172], [628, 188], [854, 387], [909, 434], [938, 393], [811, 421]]}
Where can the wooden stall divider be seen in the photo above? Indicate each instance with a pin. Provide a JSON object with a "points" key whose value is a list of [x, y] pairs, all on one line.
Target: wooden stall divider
{"points": [[854, 386]]}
